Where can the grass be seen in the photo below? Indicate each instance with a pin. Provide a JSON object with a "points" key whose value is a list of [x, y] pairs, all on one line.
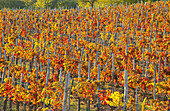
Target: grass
{"points": [[73, 106], [2, 104]]}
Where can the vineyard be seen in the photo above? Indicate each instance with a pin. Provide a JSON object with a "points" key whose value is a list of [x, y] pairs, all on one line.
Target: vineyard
{"points": [[102, 58]]}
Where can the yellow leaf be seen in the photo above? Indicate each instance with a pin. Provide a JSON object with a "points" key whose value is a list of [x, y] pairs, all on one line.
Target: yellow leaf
{"points": [[143, 104]]}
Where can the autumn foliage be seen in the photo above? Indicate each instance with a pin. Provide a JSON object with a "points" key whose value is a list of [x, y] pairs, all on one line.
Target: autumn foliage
{"points": [[138, 35]]}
